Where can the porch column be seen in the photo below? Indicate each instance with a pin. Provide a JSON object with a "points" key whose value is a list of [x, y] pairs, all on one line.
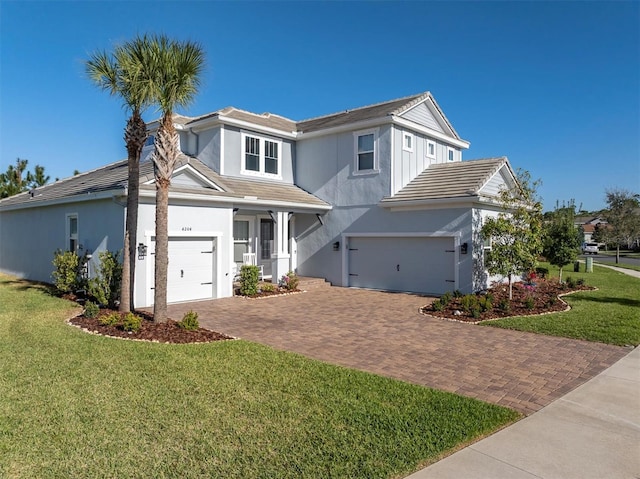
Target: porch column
{"points": [[280, 256]]}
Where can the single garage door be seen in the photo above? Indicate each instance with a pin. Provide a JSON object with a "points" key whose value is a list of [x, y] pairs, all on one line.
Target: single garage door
{"points": [[190, 275], [413, 264]]}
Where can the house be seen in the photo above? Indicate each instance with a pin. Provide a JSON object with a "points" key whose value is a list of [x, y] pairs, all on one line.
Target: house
{"points": [[373, 197], [588, 226]]}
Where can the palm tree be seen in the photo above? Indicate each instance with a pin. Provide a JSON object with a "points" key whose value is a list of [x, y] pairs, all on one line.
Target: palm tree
{"points": [[178, 68], [126, 73]]}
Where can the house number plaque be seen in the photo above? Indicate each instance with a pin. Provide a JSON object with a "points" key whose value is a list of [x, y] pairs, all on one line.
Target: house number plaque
{"points": [[186, 228]]}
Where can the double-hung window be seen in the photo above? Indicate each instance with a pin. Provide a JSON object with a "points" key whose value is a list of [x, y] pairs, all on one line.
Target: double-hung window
{"points": [[261, 156], [366, 160], [450, 154], [431, 149], [72, 233]]}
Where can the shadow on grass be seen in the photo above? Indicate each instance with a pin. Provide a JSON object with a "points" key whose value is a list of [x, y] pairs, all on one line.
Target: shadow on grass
{"points": [[26, 285], [609, 299]]}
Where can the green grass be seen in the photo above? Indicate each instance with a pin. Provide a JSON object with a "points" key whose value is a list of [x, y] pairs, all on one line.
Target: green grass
{"points": [[609, 315], [620, 265], [84, 406]]}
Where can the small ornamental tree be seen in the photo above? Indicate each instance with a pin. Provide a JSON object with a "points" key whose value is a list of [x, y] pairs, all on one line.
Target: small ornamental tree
{"points": [[562, 238], [516, 234]]}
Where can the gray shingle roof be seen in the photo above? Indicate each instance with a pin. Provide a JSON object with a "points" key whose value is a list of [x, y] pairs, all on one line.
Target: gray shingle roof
{"points": [[114, 177], [459, 179], [392, 107]]}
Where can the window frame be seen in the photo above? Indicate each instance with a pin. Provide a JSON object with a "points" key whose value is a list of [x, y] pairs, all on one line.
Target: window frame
{"points": [[69, 237], [262, 158], [451, 154], [407, 136], [356, 153], [431, 143]]}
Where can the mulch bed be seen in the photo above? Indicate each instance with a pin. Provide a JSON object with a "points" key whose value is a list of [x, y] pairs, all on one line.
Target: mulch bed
{"points": [[545, 295], [168, 332]]}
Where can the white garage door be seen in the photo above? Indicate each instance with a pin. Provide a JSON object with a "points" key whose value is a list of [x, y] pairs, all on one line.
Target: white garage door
{"points": [[190, 274], [413, 264]]}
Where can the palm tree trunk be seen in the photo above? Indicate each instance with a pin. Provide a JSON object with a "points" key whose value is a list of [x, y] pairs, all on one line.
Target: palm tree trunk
{"points": [[162, 251]]}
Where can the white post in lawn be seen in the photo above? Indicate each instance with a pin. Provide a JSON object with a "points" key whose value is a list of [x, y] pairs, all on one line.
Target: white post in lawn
{"points": [[280, 256]]}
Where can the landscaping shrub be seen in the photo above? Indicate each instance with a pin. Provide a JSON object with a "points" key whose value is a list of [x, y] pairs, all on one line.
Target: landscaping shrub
{"points": [[457, 294], [268, 287], [91, 309], [105, 287], [445, 299], [110, 319], [437, 305], [249, 279], [542, 272], [65, 274], [571, 282], [504, 305], [469, 302], [580, 281], [529, 302], [189, 321], [485, 303], [289, 281], [131, 322], [475, 312]]}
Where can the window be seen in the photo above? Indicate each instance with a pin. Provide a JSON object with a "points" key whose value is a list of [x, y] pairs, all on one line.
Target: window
{"points": [[450, 154], [240, 239], [366, 160], [150, 140], [407, 142], [261, 157], [431, 149], [266, 238], [72, 232]]}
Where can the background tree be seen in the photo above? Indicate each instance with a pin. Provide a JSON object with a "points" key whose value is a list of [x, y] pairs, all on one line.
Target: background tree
{"points": [[17, 179], [127, 73], [562, 238], [516, 233], [177, 78], [623, 218]]}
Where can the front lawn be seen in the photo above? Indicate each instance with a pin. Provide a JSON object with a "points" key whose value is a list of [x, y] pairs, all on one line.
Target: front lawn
{"points": [[609, 315], [79, 405]]}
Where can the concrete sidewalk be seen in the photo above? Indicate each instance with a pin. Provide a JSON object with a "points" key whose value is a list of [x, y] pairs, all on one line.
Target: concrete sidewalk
{"points": [[591, 432]]}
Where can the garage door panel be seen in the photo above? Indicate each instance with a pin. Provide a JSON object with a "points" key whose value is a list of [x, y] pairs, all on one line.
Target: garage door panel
{"points": [[191, 269], [413, 264]]}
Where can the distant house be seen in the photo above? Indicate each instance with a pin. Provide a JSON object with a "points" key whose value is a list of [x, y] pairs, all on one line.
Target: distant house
{"points": [[372, 197], [588, 226]]}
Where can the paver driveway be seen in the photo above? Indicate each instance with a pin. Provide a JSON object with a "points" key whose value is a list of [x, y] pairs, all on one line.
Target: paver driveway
{"points": [[385, 333]]}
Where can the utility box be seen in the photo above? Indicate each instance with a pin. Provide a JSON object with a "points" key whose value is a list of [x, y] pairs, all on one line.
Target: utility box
{"points": [[589, 268]]}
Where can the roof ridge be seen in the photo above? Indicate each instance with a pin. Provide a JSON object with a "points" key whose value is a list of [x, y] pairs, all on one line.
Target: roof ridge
{"points": [[266, 114], [363, 107]]}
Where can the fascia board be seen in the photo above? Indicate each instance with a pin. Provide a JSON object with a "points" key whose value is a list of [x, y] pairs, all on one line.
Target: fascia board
{"points": [[102, 195], [403, 122], [359, 125], [234, 200], [441, 203]]}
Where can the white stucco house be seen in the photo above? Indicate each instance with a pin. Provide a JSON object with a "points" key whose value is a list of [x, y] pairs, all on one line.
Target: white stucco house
{"points": [[374, 197]]}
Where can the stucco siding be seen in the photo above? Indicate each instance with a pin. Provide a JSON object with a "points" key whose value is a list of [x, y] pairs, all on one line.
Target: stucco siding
{"points": [[209, 148], [29, 237], [187, 221]]}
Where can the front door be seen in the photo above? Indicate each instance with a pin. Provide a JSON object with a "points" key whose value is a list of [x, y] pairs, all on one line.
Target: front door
{"points": [[266, 244]]}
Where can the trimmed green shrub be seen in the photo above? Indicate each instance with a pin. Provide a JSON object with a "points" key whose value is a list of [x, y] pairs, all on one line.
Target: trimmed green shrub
{"points": [[189, 321], [485, 303], [445, 299], [110, 319], [504, 305], [570, 282], [65, 274], [469, 302], [249, 279], [267, 287], [529, 302], [475, 312], [105, 287], [91, 309], [131, 322], [437, 305], [457, 294]]}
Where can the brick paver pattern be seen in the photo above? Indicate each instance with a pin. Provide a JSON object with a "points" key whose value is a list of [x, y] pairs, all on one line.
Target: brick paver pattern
{"points": [[384, 333]]}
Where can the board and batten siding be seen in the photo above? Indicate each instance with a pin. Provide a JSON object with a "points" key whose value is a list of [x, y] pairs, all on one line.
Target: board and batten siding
{"points": [[423, 116], [29, 237]]}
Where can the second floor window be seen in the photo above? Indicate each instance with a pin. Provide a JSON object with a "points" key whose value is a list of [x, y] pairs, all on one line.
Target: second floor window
{"points": [[366, 160], [261, 156]]}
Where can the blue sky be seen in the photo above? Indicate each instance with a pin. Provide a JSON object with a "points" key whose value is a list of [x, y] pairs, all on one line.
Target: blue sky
{"points": [[553, 86]]}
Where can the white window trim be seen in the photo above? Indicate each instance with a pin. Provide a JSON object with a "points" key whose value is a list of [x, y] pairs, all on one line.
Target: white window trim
{"points": [[68, 238], [376, 166], [261, 160], [406, 135], [429, 143], [451, 154]]}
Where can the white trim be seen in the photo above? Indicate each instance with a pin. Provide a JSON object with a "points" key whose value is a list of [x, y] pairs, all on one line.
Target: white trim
{"points": [[222, 128], [439, 203], [217, 119], [435, 149], [392, 162], [406, 135], [376, 167], [435, 234], [101, 195], [411, 125], [261, 156]]}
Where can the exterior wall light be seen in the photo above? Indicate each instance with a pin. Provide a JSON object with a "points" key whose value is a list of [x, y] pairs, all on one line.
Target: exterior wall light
{"points": [[464, 248]]}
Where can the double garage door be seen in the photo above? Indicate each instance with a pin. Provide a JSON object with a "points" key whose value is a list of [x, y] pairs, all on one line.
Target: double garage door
{"points": [[191, 271], [412, 264]]}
